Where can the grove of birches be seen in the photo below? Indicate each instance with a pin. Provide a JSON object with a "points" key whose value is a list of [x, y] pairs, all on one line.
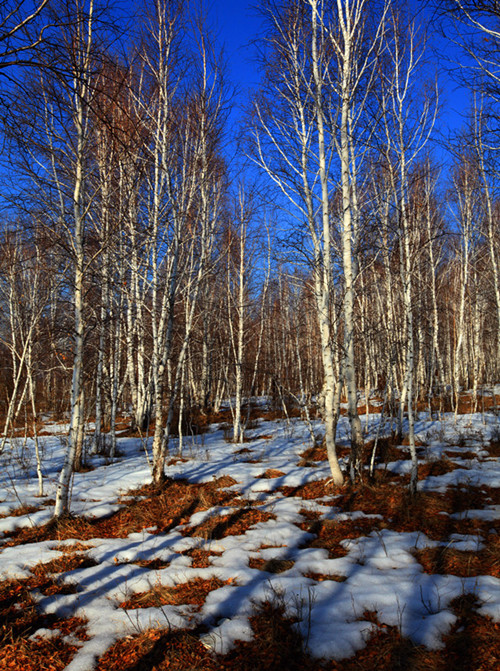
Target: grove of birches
{"points": [[172, 244]]}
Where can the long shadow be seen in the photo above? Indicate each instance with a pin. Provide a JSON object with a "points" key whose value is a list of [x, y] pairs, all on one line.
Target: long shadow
{"points": [[461, 639]]}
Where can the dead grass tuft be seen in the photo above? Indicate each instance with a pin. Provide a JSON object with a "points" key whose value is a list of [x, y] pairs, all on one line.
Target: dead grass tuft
{"points": [[152, 564], [474, 642], [271, 473], [271, 565], [372, 409], [179, 650], [311, 490], [456, 454], [68, 562], [493, 448], [321, 577], [330, 533], [388, 449], [21, 510], [436, 467], [232, 524], [194, 592], [201, 558], [315, 453], [448, 560]]}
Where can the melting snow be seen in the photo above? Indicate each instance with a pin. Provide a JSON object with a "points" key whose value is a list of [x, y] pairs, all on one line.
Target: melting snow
{"points": [[379, 572]]}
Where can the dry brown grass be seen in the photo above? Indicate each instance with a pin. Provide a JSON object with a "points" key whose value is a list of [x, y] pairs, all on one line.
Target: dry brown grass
{"points": [[428, 512], [435, 467], [448, 560], [201, 558], [271, 473], [193, 592], [271, 565], [312, 455], [21, 510], [232, 524], [321, 577], [163, 508], [20, 619], [493, 448], [68, 562], [311, 490], [329, 534]]}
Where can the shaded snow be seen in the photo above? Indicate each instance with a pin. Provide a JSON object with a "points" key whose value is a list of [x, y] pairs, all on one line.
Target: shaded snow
{"points": [[379, 572]]}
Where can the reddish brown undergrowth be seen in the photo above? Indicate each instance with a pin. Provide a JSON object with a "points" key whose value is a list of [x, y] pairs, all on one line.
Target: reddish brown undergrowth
{"points": [[448, 560], [194, 422], [201, 558], [311, 490], [316, 453], [68, 562], [321, 577], [271, 473], [428, 512], [457, 454], [472, 645], [271, 565], [232, 524], [466, 403], [276, 645], [156, 650], [21, 510], [19, 620], [436, 467], [493, 448], [387, 449], [372, 409], [193, 592], [163, 508], [330, 534]]}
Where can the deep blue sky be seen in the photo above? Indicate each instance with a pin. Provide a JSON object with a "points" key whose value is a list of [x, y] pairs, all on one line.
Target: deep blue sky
{"points": [[237, 23]]}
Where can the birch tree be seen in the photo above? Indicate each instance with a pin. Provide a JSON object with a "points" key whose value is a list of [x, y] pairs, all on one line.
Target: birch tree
{"points": [[183, 190], [78, 90], [356, 53], [406, 133], [23, 24], [237, 302], [488, 175], [311, 135], [24, 294], [467, 197], [52, 119], [289, 145], [246, 327]]}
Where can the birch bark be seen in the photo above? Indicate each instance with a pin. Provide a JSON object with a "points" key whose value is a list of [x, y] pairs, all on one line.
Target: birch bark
{"points": [[82, 45]]}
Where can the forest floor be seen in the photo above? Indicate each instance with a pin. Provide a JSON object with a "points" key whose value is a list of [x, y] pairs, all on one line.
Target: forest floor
{"points": [[248, 559]]}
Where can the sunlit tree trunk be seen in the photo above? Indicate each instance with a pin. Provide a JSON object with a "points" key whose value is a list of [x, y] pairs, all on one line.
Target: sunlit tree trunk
{"points": [[82, 46]]}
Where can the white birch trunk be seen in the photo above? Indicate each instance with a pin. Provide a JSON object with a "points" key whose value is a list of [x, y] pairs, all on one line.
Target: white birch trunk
{"points": [[81, 84]]}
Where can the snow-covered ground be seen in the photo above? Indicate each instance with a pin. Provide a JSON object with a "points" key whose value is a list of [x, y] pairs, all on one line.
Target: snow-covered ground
{"points": [[379, 572]]}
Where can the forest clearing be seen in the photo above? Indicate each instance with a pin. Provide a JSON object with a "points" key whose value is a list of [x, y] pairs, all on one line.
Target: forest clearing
{"points": [[248, 558]]}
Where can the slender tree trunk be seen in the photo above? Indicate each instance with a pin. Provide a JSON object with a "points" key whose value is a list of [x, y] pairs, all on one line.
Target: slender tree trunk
{"points": [[81, 83]]}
